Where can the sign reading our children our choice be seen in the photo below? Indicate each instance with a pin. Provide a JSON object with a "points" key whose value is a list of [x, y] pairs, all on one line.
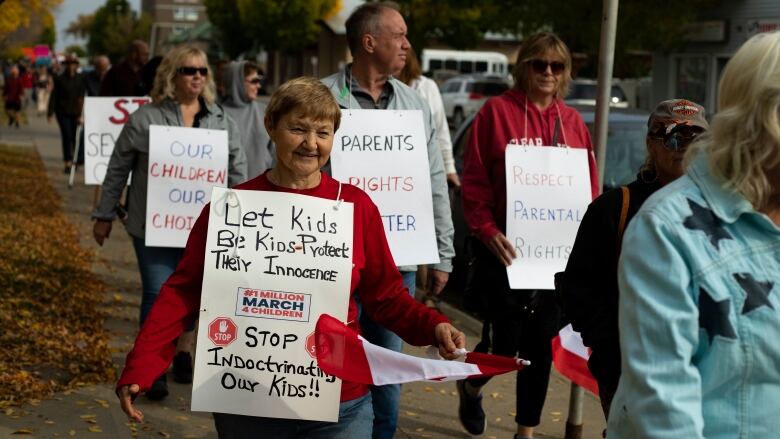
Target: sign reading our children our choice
{"points": [[184, 164], [104, 118], [274, 262], [547, 193], [384, 153]]}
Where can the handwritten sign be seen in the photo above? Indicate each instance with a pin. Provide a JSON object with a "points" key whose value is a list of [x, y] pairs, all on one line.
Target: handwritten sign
{"points": [[547, 193], [274, 263], [384, 153], [103, 121], [184, 164]]}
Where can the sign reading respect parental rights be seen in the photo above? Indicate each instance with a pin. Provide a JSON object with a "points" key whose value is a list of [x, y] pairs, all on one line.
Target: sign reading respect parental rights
{"points": [[274, 263], [548, 191], [104, 118], [184, 164], [384, 153]]}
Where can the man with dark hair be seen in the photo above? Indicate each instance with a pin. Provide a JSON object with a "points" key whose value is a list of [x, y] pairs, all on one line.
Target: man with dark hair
{"points": [[376, 34], [123, 78]]}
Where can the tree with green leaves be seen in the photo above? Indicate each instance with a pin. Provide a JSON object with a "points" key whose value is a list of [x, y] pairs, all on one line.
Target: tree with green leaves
{"points": [[114, 27], [273, 25]]}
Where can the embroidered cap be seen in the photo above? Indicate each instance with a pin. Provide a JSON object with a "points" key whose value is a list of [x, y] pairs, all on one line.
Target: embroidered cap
{"points": [[674, 112]]}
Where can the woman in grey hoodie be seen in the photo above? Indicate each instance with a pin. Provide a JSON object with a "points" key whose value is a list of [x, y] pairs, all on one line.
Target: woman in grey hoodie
{"points": [[242, 82]]}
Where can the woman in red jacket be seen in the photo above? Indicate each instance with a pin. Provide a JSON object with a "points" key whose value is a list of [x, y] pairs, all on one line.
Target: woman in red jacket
{"points": [[523, 322], [301, 118]]}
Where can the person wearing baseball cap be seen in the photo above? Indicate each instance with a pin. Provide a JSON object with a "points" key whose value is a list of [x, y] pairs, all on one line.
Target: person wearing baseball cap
{"points": [[589, 286]]}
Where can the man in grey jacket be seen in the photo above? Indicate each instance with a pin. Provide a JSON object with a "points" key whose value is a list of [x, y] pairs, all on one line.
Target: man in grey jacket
{"points": [[376, 34]]}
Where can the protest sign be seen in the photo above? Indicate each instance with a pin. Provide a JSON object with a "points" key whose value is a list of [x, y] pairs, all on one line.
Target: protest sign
{"points": [[184, 164], [103, 121], [274, 262], [385, 153], [547, 193]]}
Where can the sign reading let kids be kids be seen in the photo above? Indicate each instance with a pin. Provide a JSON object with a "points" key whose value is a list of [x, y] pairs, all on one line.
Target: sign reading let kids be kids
{"points": [[274, 263], [184, 165], [547, 193]]}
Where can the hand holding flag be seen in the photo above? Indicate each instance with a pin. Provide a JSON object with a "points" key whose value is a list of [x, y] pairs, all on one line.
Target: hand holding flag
{"points": [[343, 353]]}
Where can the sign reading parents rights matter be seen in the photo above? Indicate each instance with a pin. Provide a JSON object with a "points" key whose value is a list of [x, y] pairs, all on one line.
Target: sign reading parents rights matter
{"points": [[184, 164], [104, 119], [274, 262], [547, 193], [384, 152]]}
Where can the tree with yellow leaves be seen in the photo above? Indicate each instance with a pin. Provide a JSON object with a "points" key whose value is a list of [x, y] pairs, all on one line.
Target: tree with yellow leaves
{"points": [[20, 14]]}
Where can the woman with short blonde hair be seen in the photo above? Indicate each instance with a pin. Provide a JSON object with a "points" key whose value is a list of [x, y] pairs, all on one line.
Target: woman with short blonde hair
{"points": [[301, 119], [699, 290]]}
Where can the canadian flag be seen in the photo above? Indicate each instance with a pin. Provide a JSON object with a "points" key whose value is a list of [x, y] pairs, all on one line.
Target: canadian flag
{"points": [[343, 353], [570, 357]]}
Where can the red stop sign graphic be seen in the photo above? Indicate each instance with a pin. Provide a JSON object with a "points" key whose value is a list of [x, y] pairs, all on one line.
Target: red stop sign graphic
{"points": [[222, 331], [310, 346]]}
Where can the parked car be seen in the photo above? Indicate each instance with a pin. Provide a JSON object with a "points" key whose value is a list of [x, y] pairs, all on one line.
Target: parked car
{"points": [[464, 95], [626, 151], [584, 92]]}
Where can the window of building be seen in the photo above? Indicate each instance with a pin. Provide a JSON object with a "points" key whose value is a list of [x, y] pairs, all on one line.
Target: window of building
{"points": [[692, 78], [185, 14]]}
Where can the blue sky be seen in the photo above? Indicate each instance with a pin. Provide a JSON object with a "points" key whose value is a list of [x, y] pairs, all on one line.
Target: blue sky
{"points": [[69, 10]]}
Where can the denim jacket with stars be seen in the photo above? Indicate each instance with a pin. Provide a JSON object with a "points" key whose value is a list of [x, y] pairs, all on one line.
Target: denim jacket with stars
{"points": [[699, 316]]}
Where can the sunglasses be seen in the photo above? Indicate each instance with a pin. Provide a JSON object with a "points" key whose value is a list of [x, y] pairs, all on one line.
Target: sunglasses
{"points": [[191, 71], [540, 66], [678, 140], [256, 80]]}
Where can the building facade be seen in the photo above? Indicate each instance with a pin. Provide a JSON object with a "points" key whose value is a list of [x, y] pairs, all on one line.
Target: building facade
{"points": [[694, 72], [171, 17]]}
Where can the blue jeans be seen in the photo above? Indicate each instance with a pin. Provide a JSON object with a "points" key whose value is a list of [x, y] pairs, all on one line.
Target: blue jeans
{"points": [[386, 398], [156, 265], [355, 418]]}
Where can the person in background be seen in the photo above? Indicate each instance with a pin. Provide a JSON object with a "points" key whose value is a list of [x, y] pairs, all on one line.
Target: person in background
{"points": [[242, 81], [123, 78], [589, 285], [183, 95], [148, 72], [43, 85], [302, 118], [376, 35], [698, 275], [94, 79], [412, 76], [13, 94], [66, 102], [523, 322]]}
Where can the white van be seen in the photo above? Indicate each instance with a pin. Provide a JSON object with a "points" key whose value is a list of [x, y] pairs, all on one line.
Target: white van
{"points": [[490, 63]]}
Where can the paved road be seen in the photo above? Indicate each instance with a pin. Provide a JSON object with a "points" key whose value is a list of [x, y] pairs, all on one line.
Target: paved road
{"points": [[427, 410]]}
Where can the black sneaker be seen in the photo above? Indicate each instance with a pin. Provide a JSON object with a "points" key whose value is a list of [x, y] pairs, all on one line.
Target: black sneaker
{"points": [[470, 412], [159, 389], [182, 368]]}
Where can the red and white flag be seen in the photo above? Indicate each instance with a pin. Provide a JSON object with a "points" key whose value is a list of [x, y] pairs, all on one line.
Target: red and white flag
{"points": [[343, 353], [570, 357]]}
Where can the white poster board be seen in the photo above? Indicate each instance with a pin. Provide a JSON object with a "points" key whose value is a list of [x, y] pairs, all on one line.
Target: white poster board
{"points": [[103, 121], [547, 193], [385, 153], [184, 164], [255, 350]]}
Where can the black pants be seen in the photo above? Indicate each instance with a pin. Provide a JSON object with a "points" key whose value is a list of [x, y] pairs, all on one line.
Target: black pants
{"points": [[522, 323], [68, 126]]}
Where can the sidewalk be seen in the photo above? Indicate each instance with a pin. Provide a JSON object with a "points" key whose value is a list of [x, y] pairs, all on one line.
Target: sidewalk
{"points": [[428, 410]]}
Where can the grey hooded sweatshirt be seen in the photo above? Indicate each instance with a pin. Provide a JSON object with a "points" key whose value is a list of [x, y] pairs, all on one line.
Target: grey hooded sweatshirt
{"points": [[260, 152]]}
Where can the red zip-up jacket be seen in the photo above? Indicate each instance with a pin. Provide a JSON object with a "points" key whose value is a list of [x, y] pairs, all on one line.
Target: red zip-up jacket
{"points": [[501, 121], [374, 277]]}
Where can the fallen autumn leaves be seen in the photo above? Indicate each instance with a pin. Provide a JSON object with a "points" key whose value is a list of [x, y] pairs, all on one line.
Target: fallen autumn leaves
{"points": [[50, 327]]}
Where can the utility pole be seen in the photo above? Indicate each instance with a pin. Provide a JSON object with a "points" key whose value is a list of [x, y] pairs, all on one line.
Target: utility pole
{"points": [[606, 61]]}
